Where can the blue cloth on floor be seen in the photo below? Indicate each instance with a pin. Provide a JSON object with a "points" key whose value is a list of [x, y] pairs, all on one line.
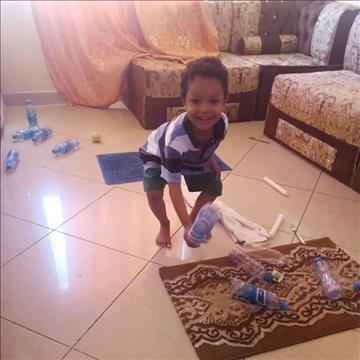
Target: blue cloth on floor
{"points": [[122, 168]]}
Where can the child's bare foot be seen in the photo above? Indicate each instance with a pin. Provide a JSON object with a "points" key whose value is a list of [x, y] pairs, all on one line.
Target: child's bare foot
{"points": [[163, 238]]}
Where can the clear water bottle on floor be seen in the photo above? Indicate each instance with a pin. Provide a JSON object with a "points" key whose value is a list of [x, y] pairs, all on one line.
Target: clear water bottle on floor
{"points": [[41, 135], [24, 134], [65, 147], [257, 295], [356, 285], [207, 217], [249, 264], [12, 158], [31, 113], [331, 286]]}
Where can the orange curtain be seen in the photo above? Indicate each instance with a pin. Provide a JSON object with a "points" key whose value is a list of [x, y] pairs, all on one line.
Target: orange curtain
{"points": [[88, 45]]}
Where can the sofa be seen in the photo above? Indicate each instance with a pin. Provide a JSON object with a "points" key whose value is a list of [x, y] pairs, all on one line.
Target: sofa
{"points": [[317, 115], [257, 41]]}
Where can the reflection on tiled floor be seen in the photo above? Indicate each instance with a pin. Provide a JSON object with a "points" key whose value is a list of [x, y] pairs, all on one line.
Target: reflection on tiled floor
{"points": [[79, 264]]}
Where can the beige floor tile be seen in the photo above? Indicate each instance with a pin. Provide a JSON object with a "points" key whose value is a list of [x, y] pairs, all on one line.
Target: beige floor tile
{"points": [[141, 324], [262, 204], [68, 283], [341, 346], [49, 198], [354, 254], [123, 221], [17, 235], [331, 186], [283, 167], [77, 355], [334, 217], [270, 144], [19, 343], [22, 170]]}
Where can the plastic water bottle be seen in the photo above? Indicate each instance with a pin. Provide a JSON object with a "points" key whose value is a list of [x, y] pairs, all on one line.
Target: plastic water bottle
{"points": [[31, 113], [331, 287], [257, 295], [41, 135], [249, 264], [12, 158], [356, 285], [24, 134], [65, 147], [207, 217]]}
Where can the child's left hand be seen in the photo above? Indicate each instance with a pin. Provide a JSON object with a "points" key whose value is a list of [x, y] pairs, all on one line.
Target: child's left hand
{"points": [[211, 164]]}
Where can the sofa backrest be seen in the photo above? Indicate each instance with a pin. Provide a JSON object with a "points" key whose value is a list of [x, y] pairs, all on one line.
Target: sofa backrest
{"points": [[331, 32], [221, 13], [307, 14], [352, 52]]}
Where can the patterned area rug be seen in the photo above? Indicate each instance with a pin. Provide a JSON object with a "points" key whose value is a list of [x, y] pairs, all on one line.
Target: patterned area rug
{"points": [[220, 327]]}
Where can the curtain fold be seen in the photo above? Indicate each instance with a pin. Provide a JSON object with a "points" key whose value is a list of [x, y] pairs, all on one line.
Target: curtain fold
{"points": [[88, 45]]}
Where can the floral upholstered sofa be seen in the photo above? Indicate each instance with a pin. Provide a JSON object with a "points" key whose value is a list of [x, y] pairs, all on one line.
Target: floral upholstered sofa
{"points": [[257, 41], [318, 114]]}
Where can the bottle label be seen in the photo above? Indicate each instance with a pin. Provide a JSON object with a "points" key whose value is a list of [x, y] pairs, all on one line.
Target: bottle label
{"points": [[260, 296]]}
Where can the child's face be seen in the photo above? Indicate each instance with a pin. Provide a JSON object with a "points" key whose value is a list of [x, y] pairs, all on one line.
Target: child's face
{"points": [[204, 102]]}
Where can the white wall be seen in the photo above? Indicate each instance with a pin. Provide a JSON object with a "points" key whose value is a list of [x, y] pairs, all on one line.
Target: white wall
{"points": [[23, 68]]}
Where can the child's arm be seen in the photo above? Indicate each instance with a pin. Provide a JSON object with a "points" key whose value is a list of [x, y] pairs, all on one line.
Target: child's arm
{"points": [[214, 166], [180, 208]]}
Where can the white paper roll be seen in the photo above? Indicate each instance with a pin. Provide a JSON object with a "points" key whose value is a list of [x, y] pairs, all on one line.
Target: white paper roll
{"points": [[276, 225], [274, 185]]}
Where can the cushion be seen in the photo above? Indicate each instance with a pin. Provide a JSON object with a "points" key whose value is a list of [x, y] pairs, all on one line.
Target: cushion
{"points": [[326, 28], [352, 52], [254, 45], [293, 59], [328, 101]]}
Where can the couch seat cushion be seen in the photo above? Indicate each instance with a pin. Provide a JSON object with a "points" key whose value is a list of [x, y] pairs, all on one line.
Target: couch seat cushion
{"points": [[292, 59], [328, 101]]}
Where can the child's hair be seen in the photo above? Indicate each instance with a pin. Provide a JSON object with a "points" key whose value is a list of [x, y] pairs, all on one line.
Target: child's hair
{"points": [[206, 66]]}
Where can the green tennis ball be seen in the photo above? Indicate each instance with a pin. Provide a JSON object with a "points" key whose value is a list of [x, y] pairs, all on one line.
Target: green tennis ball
{"points": [[95, 137]]}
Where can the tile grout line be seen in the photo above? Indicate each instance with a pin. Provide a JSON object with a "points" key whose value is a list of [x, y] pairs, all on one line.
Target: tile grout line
{"points": [[107, 308], [307, 205], [34, 331]]}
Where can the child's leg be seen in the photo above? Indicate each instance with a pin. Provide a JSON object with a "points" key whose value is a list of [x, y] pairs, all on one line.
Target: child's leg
{"points": [[202, 199], [157, 205]]}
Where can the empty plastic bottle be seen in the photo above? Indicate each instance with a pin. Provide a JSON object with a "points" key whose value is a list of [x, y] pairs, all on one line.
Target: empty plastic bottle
{"points": [[207, 217], [31, 113], [65, 147], [12, 158], [249, 264], [356, 285], [257, 295], [41, 135], [24, 134], [331, 286]]}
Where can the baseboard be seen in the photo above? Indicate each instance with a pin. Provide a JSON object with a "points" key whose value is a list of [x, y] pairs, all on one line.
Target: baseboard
{"points": [[38, 98]]}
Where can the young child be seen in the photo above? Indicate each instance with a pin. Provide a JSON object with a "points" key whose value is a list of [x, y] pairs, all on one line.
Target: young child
{"points": [[185, 145]]}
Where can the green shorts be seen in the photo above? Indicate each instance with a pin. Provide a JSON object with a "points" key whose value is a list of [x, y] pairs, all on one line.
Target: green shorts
{"points": [[206, 182]]}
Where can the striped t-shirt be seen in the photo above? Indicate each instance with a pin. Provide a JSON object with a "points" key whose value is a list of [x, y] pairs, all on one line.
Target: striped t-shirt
{"points": [[173, 147]]}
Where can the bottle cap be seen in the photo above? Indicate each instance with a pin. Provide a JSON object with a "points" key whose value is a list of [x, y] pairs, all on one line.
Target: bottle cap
{"points": [[28, 101], [268, 277], [317, 259], [357, 285], [284, 305]]}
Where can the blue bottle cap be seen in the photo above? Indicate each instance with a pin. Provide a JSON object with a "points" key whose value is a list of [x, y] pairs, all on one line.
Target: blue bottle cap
{"points": [[284, 305], [28, 101], [357, 285], [268, 277], [317, 259]]}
